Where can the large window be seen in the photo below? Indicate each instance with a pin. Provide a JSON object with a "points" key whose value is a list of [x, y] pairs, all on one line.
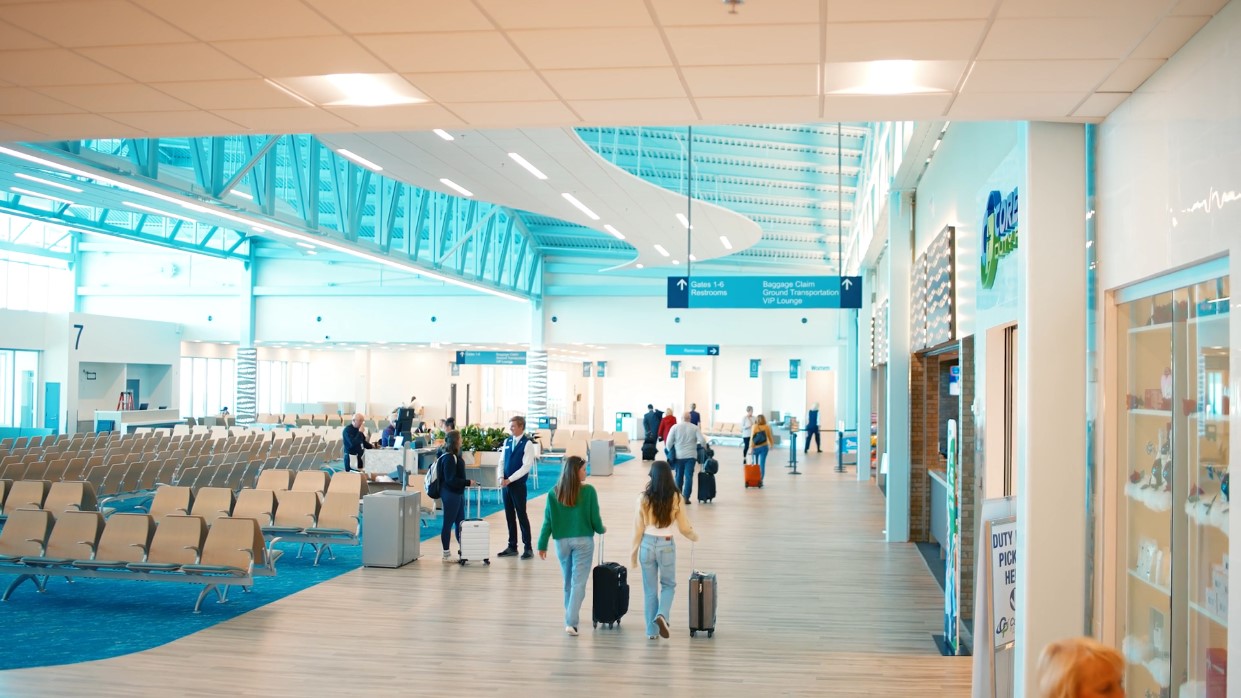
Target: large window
{"points": [[37, 277], [19, 380], [281, 382], [207, 385]]}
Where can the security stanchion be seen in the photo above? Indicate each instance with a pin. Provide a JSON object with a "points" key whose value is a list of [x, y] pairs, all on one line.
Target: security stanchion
{"points": [[793, 453]]}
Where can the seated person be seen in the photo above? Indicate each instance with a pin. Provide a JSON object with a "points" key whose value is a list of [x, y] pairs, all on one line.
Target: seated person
{"points": [[388, 438]]}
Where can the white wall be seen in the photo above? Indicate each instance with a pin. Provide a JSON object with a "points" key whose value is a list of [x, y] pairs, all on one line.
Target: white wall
{"points": [[1169, 189]]}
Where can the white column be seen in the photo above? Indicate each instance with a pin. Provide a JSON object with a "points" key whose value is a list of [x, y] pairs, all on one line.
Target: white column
{"points": [[864, 351], [1051, 391], [900, 244], [536, 367], [245, 411]]}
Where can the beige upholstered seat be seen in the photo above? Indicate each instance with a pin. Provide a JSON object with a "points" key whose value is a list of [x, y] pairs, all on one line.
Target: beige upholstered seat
{"points": [[25, 533], [126, 538], [70, 496], [259, 505], [75, 536], [275, 480], [212, 503], [178, 541]]}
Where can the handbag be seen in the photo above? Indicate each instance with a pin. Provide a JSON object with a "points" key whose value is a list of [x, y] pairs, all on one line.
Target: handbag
{"points": [[760, 439]]}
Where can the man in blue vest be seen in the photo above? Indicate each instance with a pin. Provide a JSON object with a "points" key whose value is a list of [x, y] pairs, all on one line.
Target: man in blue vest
{"points": [[520, 454]]}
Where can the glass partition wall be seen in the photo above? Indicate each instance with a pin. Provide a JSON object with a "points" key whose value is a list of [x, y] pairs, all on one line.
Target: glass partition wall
{"points": [[1173, 518]]}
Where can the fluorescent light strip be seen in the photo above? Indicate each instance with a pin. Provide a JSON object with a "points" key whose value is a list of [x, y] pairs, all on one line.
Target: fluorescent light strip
{"points": [[359, 159], [676, 261], [49, 197], [725, 242], [66, 187], [580, 206], [241, 194], [158, 212], [526, 164], [306, 245], [457, 187], [306, 237], [660, 249], [693, 258], [443, 134], [684, 221], [614, 231]]}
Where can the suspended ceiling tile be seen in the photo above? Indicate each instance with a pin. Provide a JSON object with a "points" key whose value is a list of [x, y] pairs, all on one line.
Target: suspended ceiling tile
{"points": [[287, 58], [301, 120], [180, 124], [547, 14], [12, 133], [387, 16], [674, 13], [1015, 106], [1147, 10], [906, 10], [1100, 104], [753, 80], [53, 67], [1036, 76], [91, 125], [13, 38], [19, 100], [123, 97], [1198, 7], [220, 20], [447, 52], [1168, 37], [616, 83], [489, 86], [170, 62], [229, 94], [92, 23], [752, 45], [1131, 74], [1065, 39], [402, 117], [927, 41], [884, 107], [788, 110], [592, 48], [514, 114], [643, 112]]}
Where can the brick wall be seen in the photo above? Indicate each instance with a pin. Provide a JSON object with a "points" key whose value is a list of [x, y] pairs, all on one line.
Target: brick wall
{"points": [[923, 445], [967, 489]]}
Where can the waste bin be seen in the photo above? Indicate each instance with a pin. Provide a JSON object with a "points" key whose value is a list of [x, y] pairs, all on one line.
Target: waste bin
{"points": [[390, 523]]}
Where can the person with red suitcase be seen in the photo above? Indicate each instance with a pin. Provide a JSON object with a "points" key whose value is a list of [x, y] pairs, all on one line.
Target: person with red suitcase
{"points": [[761, 440]]}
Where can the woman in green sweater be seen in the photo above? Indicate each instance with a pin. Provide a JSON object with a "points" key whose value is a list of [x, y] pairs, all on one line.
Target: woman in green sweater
{"points": [[572, 518]]}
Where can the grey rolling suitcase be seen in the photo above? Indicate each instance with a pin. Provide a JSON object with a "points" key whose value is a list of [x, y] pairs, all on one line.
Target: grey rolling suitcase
{"points": [[703, 600], [475, 533]]}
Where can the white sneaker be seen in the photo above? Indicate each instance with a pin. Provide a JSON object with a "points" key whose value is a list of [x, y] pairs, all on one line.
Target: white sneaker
{"points": [[447, 556], [570, 630], [652, 637]]}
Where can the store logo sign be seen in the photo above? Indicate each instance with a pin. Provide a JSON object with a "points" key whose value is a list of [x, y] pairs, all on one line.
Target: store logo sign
{"points": [[999, 233]]}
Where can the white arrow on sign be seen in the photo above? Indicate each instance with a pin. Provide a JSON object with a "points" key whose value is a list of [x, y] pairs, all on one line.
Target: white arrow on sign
{"points": [[681, 284], [847, 283], [712, 350]]}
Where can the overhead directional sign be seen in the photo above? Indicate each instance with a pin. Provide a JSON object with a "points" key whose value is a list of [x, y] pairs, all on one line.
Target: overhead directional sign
{"points": [[501, 358], [692, 350], [789, 292]]}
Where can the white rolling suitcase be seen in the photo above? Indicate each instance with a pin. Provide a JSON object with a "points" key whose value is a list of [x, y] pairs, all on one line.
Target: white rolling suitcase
{"points": [[475, 533]]}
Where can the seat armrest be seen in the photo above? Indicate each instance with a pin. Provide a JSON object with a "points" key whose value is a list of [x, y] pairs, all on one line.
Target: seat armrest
{"points": [[90, 544]]}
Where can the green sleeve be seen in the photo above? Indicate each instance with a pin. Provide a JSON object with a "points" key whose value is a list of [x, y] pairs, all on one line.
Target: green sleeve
{"points": [[596, 519], [546, 533]]}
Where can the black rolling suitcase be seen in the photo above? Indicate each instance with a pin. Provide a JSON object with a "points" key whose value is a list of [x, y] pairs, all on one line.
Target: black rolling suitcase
{"points": [[611, 595], [706, 486], [648, 449]]}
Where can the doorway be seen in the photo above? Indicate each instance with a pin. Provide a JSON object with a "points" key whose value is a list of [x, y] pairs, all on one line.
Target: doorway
{"points": [[698, 391], [821, 389]]}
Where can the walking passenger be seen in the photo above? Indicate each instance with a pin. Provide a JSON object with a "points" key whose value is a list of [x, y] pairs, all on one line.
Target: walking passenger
{"points": [[683, 441], [658, 508], [812, 428], [453, 484], [760, 443], [665, 424], [747, 424], [572, 518]]}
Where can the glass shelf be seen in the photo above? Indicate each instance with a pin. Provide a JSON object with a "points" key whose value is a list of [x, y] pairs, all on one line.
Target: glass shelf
{"points": [[1222, 622], [1157, 587]]}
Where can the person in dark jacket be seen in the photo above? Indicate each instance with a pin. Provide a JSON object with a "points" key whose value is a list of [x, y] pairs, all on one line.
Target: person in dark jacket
{"points": [[453, 484], [353, 440], [812, 428], [694, 417], [388, 438], [650, 423]]}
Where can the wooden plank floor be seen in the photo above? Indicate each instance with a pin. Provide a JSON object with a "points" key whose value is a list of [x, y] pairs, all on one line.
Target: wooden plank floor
{"points": [[812, 602]]}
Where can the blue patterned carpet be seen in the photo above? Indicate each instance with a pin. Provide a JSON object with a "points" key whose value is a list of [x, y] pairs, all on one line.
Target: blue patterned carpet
{"points": [[83, 621]]}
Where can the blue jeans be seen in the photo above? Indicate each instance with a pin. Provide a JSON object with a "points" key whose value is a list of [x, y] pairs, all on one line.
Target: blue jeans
{"points": [[658, 558], [760, 455], [684, 469], [575, 555], [454, 514]]}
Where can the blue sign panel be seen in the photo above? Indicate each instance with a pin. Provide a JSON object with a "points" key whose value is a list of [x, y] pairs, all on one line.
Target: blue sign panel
{"points": [[754, 364], [676, 369], [794, 368], [692, 350], [603, 370], [789, 292], [586, 366], [501, 358]]}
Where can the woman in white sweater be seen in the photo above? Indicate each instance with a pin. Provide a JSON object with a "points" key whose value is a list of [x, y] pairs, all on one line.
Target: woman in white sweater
{"points": [[659, 507]]}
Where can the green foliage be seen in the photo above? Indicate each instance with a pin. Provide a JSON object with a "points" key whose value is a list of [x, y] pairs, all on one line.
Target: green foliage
{"points": [[475, 438]]}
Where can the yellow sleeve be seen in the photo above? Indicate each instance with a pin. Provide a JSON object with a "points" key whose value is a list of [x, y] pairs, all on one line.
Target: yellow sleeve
{"points": [[687, 529], [639, 527]]}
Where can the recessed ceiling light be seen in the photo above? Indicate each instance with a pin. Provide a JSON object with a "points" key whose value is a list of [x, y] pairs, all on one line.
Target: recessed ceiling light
{"points": [[641, 265], [660, 249], [693, 258], [684, 221], [526, 164], [311, 252], [49, 197], [457, 187], [352, 89], [725, 242], [359, 159], [156, 211], [443, 134], [892, 77], [614, 231], [580, 206], [676, 261], [49, 183]]}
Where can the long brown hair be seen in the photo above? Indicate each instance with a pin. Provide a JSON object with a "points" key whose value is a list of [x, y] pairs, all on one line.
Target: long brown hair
{"points": [[452, 442], [661, 492], [570, 485]]}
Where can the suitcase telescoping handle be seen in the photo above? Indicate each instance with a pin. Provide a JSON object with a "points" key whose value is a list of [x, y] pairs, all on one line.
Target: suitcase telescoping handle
{"points": [[479, 510], [600, 548]]}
